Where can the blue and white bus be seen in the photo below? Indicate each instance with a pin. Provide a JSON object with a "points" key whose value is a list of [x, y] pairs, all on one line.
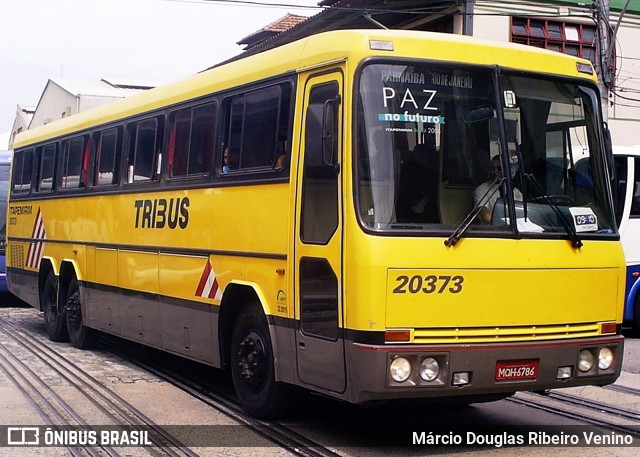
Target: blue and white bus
{"points": [[5, 165], [627, 208]]}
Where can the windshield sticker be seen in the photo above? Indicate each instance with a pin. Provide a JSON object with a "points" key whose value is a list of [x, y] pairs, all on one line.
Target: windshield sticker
{"points": [[584, 219], [457, 81], [412, 102], [410, 77], [435, 79], [509, 99], [406, 117], [389, 93], [408, 100]]}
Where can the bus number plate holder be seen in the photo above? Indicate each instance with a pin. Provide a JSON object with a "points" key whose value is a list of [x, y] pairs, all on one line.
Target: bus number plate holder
{"points": [[516, 370]]}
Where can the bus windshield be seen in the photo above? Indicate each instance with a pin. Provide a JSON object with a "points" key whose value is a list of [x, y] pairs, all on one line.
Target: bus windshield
{"points": [[440, 144]]}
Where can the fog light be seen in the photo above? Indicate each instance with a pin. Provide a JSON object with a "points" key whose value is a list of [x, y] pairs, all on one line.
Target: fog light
{"points": [[564, 373], [585, 361], [400, 369], [429, 369], [605, 358], [461, 379]]}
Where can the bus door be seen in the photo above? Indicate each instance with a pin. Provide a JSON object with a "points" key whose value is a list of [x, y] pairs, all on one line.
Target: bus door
{"points": [[318, 238]]}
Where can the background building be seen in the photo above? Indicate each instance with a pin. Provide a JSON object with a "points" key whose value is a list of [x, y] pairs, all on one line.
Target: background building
{"points": [[575, 27], [589, 29], [20, 123], [61, 98]]}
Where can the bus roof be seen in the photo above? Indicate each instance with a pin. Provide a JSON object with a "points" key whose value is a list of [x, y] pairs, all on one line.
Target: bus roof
{"points": [[313, 51]]}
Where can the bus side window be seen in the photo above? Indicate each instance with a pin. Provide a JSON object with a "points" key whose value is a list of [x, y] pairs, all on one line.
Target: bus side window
{"points": [[22, 168], [255, 122], [74, 156], [106, 163], [143, 163], [47, 167], [191, 141]]}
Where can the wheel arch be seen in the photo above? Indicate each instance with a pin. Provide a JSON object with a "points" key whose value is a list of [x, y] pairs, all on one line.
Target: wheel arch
{"points": [[68, 269], [236, 296]]}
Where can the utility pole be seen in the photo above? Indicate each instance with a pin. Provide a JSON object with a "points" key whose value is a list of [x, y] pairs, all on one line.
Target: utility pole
{"points": [[611, 46], [603, 70], [467, 27]]}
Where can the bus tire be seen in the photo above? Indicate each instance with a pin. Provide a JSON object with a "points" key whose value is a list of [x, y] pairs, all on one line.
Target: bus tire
{"points": [[80, 336], [55, 320], [252, 366]]}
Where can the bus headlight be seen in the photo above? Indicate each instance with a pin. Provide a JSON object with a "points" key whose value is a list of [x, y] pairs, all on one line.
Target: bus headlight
{"points": [[605, 358], [400, 369], [585, 361], [429, 369]]}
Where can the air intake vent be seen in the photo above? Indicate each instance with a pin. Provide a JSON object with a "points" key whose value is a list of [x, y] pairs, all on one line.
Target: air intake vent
{"points": [[504, 334]]}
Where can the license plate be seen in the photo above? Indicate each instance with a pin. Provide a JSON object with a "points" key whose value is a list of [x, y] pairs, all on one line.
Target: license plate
{"points": [[515, 370]]}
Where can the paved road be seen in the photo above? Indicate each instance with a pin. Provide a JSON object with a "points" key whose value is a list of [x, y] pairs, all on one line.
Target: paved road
{"points": [[167, 405]]}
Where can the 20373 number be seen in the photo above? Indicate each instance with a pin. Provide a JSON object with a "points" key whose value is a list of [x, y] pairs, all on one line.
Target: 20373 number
{"points": [[428, 284]]}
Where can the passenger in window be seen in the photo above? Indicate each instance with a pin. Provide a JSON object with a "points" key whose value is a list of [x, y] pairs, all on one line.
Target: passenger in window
{"points": [[489, 191], [281, 161], [225, 161]]}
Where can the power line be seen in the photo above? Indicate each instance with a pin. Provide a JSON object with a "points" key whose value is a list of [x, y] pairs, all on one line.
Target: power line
{"points": [[625, 98], [374, 10], [628, 58], [253, 4]]}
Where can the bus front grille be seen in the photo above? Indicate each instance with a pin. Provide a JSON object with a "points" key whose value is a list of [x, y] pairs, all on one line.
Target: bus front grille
{"points": [[504, 334]]}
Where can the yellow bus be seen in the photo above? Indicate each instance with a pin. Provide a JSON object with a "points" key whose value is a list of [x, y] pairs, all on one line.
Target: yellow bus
{"points": [[370, 215]]}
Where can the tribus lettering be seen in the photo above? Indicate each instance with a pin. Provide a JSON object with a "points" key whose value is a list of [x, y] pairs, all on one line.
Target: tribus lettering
{"points": [[161, 212]]}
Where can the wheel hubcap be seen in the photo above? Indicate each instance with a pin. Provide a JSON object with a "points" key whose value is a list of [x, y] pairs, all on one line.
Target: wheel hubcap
{"points": [[252, 359]]}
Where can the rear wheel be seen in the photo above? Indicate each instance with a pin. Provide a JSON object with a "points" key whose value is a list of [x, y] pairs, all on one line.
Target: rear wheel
{"points": [[252, 366], [55, 319], [80, 336]]}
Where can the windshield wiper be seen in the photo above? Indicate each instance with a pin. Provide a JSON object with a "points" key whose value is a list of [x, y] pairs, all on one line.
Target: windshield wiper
{"points": [[576, 242], [466, 222]]}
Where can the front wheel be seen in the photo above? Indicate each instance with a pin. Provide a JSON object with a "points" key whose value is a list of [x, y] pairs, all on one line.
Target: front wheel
{"points": [[80, 336], [252, 366], [55, 320]]}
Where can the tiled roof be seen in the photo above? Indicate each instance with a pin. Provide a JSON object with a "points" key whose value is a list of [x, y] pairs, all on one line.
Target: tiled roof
{"points": [[281, 25], [286, 22]]}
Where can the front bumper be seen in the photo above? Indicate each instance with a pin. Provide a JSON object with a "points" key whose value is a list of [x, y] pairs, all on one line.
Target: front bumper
{"points": [[370, 378]]}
